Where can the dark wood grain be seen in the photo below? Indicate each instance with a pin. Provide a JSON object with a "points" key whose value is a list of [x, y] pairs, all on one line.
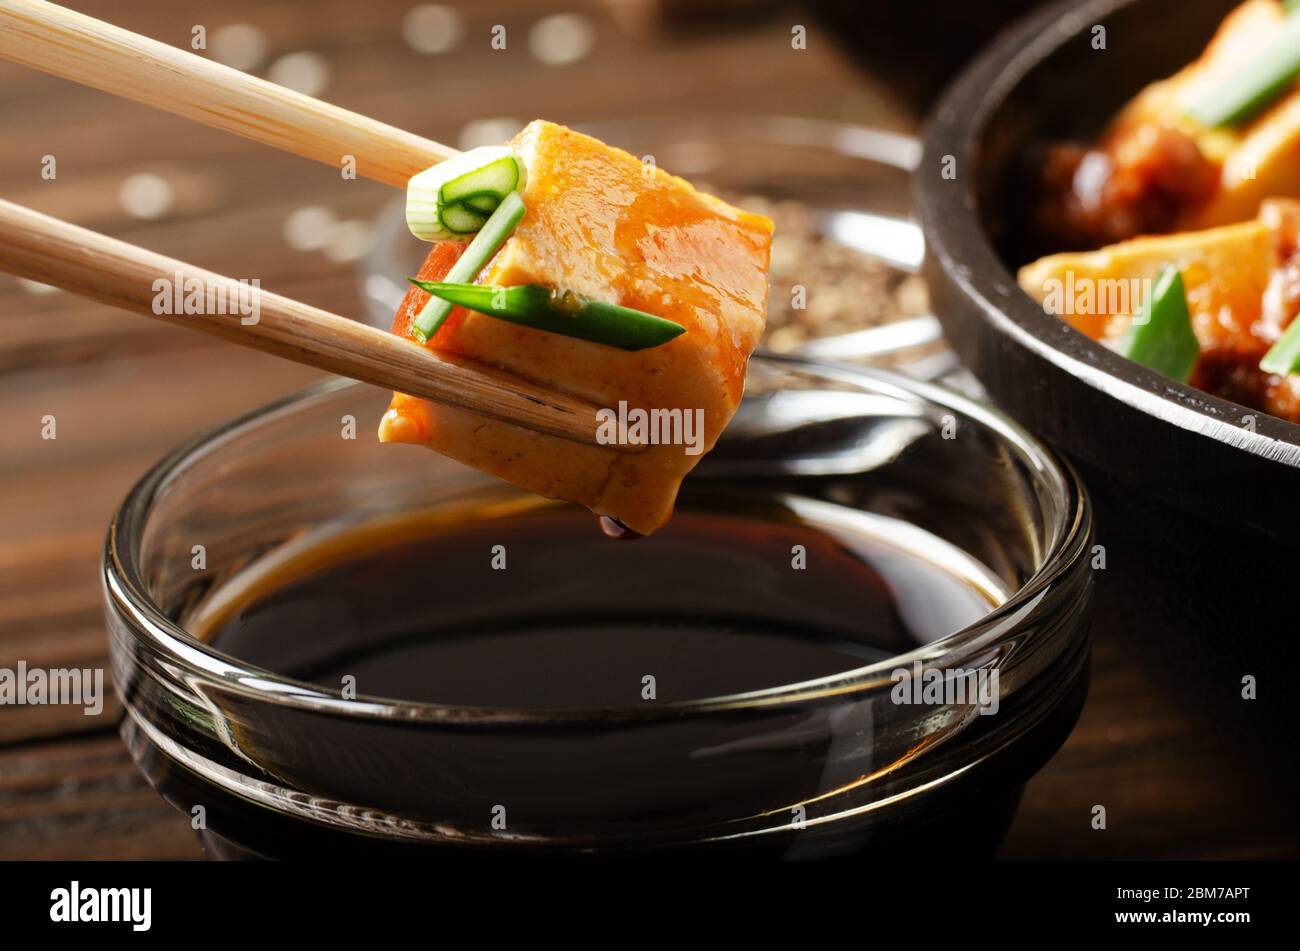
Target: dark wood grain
{"points": [[124, 392], [82, 798]]}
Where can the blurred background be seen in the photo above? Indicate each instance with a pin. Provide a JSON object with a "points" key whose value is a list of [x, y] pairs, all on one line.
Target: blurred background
{"points": [[124, 390]]}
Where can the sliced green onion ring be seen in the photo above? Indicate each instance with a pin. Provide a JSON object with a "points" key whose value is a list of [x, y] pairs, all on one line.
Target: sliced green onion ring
{"points": [[568, 314], [461, 219], [454, 198], [1161, 336]]}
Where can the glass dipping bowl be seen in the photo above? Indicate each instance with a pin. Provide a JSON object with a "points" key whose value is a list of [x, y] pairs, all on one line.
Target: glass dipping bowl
{"points": [[855, 182], [832, 766]]}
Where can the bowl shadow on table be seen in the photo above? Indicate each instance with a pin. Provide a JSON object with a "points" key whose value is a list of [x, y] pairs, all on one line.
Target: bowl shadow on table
{"points": [[1221, 654], [1184, 764]]}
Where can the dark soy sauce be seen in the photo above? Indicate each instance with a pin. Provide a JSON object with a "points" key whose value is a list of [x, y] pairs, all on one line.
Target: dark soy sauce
{"points": [[540, 610]]}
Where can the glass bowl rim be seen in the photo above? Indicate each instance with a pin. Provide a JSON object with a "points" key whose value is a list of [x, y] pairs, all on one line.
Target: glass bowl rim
{"points": [[126, 591]]}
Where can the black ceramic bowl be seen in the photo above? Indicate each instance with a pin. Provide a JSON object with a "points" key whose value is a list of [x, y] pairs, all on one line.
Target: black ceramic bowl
{"points": [[1043, 81], [1198, 498]]}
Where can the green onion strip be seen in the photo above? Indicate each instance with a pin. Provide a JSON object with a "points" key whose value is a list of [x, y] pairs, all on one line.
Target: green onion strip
{"points": [[568, 314], [1270, 72], [496, 228]]}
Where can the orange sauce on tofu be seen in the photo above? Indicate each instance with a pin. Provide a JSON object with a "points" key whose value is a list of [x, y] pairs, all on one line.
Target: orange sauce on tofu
{"points": [[440, 260]]}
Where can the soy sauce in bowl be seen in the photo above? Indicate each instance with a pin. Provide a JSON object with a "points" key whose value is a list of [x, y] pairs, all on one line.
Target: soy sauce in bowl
{"points": [[540, 611]]}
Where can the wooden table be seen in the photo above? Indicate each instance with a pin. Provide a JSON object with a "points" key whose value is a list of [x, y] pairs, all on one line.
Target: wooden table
{"points": [[123, 389]]}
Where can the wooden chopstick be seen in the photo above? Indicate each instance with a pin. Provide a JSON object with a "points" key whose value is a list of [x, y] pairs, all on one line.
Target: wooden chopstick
{"points": [[77, 47], [65, 43], [41, 248]]}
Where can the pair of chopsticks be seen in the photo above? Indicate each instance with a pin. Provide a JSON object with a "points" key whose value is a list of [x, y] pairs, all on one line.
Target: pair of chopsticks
{"points": [[74, 46]]}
